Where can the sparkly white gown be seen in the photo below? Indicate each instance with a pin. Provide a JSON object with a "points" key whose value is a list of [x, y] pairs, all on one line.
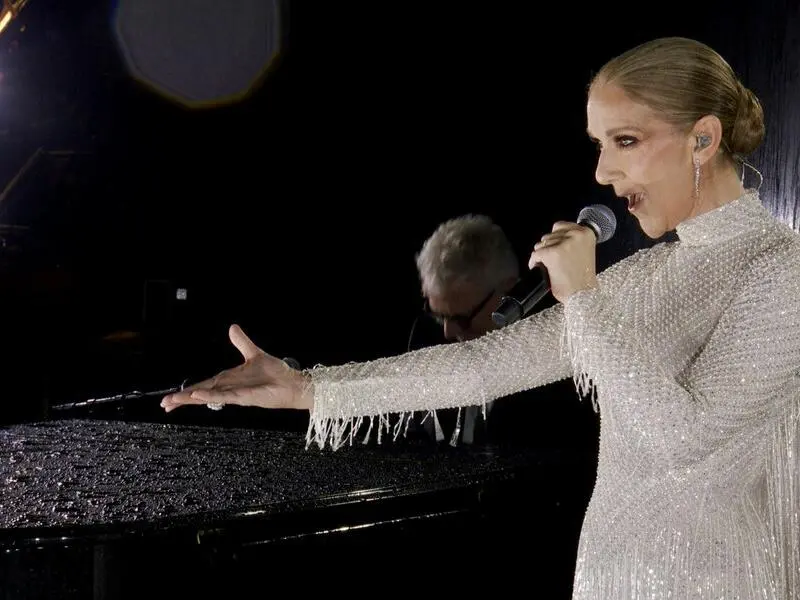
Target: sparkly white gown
{"points": [[692, 351]]}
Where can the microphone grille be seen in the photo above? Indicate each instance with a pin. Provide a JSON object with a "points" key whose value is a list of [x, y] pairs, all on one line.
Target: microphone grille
{"points": [[602, 220]]}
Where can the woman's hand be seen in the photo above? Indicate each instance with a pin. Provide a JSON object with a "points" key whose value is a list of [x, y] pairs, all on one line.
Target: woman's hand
{"points": [[568, 253], [262, 380]]}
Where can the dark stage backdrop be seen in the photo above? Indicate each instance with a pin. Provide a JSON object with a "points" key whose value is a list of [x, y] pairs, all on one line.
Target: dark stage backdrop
{"points": [[297, 211]]}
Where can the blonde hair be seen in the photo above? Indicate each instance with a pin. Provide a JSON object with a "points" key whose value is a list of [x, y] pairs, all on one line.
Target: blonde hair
{"points": [[685, 80]]}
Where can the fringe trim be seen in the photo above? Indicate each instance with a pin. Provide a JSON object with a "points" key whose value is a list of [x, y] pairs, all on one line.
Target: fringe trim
{"points": [[456, 429], [783, 498], [682, 563], [342, 431], [583, 382], [339, 432], [328, 425]]}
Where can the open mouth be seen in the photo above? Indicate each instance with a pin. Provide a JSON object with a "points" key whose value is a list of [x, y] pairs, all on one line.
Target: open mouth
{"points": [[634, 200]]}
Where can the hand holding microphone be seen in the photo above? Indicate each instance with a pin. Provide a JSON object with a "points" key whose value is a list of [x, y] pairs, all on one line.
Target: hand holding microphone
{"points": [[568, 254], [562, 262]]}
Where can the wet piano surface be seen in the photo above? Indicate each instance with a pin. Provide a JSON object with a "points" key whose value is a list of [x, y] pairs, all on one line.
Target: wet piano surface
{"points": [[95, 508]]}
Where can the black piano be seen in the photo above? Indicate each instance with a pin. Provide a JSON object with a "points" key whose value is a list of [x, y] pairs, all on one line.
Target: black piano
{"points": [[95, 508]]}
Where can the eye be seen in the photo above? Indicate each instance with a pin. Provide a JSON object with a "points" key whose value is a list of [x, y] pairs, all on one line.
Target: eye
{"points": [[625, 141]]}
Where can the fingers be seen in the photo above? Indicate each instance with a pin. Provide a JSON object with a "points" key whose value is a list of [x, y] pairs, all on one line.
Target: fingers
{"points": [[565, 226], [568, 228], [254, 382], [221, 380], [173, 401], [257, 395], [201, 395], [243, 396], [243, 343], [236, 395], [538, 256], [549, 239], [185, 396], [562, 232]]}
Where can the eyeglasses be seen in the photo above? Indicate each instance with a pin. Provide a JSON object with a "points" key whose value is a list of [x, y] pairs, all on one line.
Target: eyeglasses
{"points": [[463, 321]]}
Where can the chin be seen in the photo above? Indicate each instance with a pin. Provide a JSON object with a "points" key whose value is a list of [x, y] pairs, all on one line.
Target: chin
{"points": [[651, 230]]}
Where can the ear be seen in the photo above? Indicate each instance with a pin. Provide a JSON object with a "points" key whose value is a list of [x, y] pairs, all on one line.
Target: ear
{"points": [[705, 138]]}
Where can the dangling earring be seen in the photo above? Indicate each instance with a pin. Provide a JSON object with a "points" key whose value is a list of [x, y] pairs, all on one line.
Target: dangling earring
{"points": [[696, 177], [703, 141]]}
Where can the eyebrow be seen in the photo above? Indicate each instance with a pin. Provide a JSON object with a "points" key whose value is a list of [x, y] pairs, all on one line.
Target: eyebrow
{"points": [[615, 130]]}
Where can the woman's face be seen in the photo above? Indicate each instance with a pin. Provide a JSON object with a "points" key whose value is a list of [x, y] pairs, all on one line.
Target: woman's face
{"points": [[645, 159]]}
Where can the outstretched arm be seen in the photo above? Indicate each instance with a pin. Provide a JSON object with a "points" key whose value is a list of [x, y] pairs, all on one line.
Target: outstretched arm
{"points": [[521, 356], [527, 354], [524, 355]]}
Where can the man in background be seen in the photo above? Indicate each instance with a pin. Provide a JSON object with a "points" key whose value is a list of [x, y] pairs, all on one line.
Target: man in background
{"points": [[465, 267]]}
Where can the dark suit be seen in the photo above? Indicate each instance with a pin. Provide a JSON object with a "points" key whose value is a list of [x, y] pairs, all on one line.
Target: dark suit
{"points": [[551, 417]]}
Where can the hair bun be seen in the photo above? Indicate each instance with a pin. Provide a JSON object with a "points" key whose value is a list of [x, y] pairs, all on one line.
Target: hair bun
{"points": [[748, 129]]}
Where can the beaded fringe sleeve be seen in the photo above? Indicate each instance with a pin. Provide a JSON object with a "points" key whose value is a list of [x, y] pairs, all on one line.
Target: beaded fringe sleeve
{"points": [[526, 354], [735, 409], [692, 352]]}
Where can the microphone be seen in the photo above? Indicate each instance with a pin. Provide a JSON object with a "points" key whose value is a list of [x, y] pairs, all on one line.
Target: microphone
{"points": [[535, 284]]}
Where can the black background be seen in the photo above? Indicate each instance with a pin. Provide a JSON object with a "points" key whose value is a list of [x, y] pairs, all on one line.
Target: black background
{"points": [[297, 211]]}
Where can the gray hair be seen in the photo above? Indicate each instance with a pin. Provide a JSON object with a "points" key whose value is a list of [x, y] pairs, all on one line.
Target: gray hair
{"points": [[467, 248]]}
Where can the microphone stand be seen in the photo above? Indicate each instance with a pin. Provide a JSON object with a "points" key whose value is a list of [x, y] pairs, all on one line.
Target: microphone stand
{"points": [[134, 395]]}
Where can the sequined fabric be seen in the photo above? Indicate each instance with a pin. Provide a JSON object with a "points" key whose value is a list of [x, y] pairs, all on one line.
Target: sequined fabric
{"points": [[691, 350]]}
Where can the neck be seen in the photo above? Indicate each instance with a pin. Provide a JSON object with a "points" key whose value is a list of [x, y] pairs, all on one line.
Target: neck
{"points": [[719, 185]]}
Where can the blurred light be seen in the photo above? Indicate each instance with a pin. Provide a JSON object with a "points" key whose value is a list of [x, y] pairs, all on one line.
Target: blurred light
{"points": [[200, 53], [5, 20], [10, 11]]}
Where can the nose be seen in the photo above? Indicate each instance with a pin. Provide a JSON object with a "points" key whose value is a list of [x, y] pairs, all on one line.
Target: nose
{"points": [[606, 172]]}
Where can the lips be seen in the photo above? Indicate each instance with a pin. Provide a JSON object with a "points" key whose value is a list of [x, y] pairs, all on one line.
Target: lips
{"points": [[634, 200]]}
